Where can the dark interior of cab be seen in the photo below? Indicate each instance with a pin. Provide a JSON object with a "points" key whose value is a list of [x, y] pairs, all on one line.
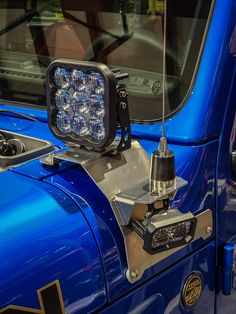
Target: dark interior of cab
{"points": [[124, 34]]}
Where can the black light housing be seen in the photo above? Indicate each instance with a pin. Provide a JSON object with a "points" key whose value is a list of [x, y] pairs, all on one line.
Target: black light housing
{"points": [[166, 230], [86, 104]]}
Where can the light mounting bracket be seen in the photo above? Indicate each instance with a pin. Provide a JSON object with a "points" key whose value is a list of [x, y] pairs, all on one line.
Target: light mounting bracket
{"points": [[127, 190], [123, 118]]}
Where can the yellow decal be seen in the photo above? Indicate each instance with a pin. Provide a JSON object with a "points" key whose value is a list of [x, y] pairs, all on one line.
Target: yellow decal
{"points": [[50, 299]]}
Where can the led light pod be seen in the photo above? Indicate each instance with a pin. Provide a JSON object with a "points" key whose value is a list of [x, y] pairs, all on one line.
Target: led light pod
{"points": [[166, 230], [82, 102]]}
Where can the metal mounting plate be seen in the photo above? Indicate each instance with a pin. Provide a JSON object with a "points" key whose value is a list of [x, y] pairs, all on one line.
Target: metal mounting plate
{"points": [[123, 178]]}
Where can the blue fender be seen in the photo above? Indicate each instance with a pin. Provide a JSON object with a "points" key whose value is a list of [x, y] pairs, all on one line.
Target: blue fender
{"points": [[44, 237]]}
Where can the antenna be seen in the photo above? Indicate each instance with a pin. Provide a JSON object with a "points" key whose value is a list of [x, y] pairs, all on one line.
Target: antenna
{"points": [[162, 174], [164, 70]]}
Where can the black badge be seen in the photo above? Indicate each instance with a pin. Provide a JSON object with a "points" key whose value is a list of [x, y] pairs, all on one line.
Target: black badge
{"points": [[192, 290]]}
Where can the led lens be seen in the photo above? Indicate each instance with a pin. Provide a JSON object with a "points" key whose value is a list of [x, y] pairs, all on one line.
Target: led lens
{"points": [[97, 129], [161, 236], [63, 122], [80, 126], [96, 82], [98, 107], [82, 102], [172, 235], [62, 99], [62, 78], [79, 80]]}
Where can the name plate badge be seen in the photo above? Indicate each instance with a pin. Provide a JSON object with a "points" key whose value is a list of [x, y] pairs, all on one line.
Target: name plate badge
{"points": [[192, 290]]}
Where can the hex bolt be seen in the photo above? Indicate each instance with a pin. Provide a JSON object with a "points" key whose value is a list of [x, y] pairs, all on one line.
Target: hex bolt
{"points": [[49, 158], [209, 230], [134, 274]]}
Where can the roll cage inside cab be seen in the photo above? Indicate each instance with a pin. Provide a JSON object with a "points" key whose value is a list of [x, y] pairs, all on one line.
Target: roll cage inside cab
{"points": [[34, 33]]}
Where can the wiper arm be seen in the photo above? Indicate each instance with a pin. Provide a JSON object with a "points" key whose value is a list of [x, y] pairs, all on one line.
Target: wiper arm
{"points": [[25, 116]]}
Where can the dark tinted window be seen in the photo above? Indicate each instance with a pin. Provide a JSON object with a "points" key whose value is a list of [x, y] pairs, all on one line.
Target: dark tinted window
{"points": [[124, 34]]}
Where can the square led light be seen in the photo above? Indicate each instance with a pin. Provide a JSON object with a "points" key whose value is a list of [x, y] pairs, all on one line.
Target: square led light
{"points": [[82, 102]]}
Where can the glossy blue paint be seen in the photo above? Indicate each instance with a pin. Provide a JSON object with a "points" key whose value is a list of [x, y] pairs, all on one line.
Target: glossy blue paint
{"points": [[55, 223], [38, 113], [44, 237], [162, 294]]}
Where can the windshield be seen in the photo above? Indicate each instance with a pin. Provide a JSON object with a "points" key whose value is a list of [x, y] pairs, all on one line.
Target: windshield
{"points": [[123, 34]]}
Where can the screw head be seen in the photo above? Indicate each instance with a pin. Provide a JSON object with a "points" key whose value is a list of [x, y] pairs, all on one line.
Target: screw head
{"points": [[209, 230], [134, 274]]}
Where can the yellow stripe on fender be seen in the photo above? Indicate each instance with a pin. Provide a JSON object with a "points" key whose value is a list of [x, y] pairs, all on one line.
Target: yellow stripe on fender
{"points": [[50, 299]]}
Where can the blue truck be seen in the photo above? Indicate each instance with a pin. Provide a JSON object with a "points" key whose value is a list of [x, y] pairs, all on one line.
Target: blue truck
{"points": [[71, 236]]}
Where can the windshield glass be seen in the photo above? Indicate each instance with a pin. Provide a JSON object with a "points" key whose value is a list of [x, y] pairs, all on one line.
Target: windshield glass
{"points": [[125, 34]]}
